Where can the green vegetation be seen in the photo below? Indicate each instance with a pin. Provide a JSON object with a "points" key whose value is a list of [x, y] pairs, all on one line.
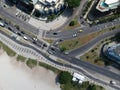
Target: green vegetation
{"points": [[65, 77], [21, 58], [73, 22], [108, 18], [75, 86], [77, 42], [49, 67], [5, 31], [9, 51], [73, 3], [87, 6], [94, 57], [51, 17], [31, 63], [84, 86], [63, 48], [49, 40]]}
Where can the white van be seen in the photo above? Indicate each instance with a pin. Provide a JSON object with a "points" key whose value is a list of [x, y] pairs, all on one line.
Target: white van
{"points": [[2, 24]]}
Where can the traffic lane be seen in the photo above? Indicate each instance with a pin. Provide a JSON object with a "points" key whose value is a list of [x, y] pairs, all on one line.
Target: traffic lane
{"points": [[22, 34], [86, 30], [69, 59], [90, 44], [19, 22], [89, 67]]}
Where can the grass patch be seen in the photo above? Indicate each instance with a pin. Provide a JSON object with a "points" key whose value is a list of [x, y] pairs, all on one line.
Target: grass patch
{"points": [[74, 26], [21, 58], [5, 31], [9, 51], [49, 67], [49, 40], [83, 86], [93, 56], [31, 63], [77, 42]]}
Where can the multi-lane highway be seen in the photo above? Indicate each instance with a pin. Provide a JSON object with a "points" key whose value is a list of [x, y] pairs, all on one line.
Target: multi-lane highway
{"points": [[88, 67]]}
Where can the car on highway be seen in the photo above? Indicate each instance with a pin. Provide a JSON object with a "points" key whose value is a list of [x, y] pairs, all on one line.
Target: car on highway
{"points": [[112, 82], [25, 37], [57, 43], [10, 28], [45, 45], [19, 33], [22, 32], [74, 35], [80, 31], [34, 39], [66, 53], [2, 24], [55, 33]]}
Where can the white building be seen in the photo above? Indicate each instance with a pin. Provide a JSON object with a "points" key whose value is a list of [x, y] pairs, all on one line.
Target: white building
{"points": [[78, 77], [106, 5], [49, 6]]}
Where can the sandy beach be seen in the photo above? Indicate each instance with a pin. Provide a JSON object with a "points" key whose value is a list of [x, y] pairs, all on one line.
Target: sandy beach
{"points": [[15, 75]]}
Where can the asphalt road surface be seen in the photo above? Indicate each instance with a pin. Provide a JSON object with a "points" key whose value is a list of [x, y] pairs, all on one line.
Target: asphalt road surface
{"points": [[19, 22], [92, 43], [86, 30]]}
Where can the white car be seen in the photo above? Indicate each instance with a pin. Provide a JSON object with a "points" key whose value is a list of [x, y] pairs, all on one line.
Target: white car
{"points": [[35, 39], [74, 35], [25, 37], [2, 24]]}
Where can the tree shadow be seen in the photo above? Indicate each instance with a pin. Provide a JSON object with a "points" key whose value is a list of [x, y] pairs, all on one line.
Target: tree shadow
{"points": [[67, 12], [9, 3]]}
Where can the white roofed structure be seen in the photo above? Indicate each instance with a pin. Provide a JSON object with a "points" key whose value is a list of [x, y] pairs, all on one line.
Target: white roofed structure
{"points": [[78, 77], [106, 5], [111, 1], [50, 1]]}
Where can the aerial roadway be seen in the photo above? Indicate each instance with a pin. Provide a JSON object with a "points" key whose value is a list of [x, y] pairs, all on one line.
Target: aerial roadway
{"points": [[68, 34]]}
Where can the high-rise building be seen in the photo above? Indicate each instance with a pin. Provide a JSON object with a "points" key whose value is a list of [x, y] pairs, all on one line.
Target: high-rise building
{"points": [[106, 5]]}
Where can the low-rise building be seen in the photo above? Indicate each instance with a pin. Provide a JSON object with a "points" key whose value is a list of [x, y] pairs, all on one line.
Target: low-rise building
{"points": [[78, 77]]}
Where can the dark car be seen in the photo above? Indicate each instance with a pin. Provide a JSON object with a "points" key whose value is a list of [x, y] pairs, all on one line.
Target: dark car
{"points": [[19, 34], [10, 28], [45, 45], [22, 32], [54, 33]]}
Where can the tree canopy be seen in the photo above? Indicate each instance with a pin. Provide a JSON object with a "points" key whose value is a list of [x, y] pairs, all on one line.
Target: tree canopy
{"points": [[73, 3], [65, 77]]}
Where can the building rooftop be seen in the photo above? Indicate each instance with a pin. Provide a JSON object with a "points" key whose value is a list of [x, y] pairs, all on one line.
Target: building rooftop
{"points": [[50, 1], [111, 1], [78, 76]]}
